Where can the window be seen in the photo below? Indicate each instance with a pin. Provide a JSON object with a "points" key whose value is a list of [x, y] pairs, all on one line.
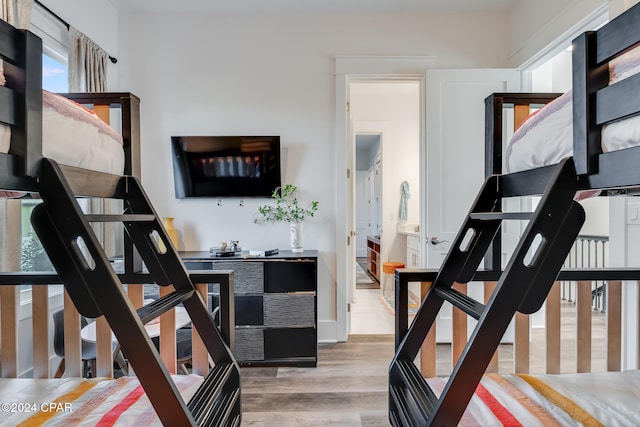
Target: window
{"points": [[54, 74], [54, 79], [33, 256]]}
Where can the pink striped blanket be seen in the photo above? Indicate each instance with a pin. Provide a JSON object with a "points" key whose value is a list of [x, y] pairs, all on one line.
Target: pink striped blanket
{"points": [[81, 402], [586, 399]]}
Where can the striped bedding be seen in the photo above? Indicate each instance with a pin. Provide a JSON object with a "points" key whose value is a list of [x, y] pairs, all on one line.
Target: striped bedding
{"points": [[586, 399], [73, 402]]}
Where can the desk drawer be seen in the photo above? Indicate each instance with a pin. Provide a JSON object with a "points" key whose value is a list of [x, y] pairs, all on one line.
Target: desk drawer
{"points": [[282, 310], [274, 310], [289, 276], [248, 276]]}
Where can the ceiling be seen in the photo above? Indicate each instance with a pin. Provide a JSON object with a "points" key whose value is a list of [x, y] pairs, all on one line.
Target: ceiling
{"points": [[307, 5]]}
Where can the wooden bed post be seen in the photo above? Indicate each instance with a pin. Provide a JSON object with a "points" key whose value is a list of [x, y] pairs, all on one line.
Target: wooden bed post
{"points": [[72, 342], [552, 330], [9, 303], [458, 327], [521, 344], [168, 334], [40, 313], [200, 357], [489, 287], [614, 325], [428, 352], [104, 345], [583, 324]]}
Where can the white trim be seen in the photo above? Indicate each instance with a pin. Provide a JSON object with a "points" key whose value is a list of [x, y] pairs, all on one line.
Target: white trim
{"points": [[326, 331], [54, 34], [590, 22], [378, 66], [557, 25], [594, 20]]}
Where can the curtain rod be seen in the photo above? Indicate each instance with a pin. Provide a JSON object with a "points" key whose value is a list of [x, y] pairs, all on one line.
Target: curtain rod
{"points": [[66, 24]]}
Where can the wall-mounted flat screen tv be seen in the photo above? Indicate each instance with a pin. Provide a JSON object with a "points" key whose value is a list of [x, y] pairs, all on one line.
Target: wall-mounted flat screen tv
{"points": [[225, 166]]}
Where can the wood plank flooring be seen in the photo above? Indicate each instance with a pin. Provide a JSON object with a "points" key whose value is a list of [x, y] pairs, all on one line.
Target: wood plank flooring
{"points": [[347, 388]]}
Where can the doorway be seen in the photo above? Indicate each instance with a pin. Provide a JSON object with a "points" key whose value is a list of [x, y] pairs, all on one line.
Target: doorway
{"points": [[385, 127]]}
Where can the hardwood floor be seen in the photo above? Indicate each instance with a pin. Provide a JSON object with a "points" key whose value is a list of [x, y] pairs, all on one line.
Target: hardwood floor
{"points": [[349, 385], [347, 388]]}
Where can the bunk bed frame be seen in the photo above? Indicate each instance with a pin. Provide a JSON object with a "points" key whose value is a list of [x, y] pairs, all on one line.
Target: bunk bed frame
{"points": [[90, 281], [530, 273]]}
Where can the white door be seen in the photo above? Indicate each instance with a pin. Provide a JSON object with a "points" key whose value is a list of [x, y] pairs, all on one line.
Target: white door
{"points": [[363, 212], [351, 221], [455, 158]]}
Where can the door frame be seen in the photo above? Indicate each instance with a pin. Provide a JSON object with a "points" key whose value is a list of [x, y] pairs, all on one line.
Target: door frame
{"points": [[360, 69]]}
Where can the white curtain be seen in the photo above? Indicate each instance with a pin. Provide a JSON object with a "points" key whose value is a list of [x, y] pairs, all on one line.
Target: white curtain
{"points": [[88, 73], [87, 64], [18, 14]]}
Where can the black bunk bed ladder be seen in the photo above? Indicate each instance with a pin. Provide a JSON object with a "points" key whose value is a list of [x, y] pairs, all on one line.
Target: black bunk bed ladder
{"points": [[523, 286], [96, 290]]}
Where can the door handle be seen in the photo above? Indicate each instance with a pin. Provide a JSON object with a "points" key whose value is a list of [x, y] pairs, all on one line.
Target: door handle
{"points": [[435, 241]]}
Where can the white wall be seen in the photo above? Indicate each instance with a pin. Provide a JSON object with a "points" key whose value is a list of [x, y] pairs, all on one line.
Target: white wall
{"points": [[259, 73], [272, 74], [398, 104]]}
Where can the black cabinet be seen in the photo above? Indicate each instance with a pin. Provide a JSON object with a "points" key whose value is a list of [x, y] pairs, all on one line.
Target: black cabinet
{"points": [[275, 305]]}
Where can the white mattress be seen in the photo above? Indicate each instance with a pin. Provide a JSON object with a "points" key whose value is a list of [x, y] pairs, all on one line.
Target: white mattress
{"points": [[595, 399], [74, 136], [66, 402], [546, 136]]}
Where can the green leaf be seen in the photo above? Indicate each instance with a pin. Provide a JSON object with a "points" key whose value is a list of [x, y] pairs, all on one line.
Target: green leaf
{"points": [[287, 207]]}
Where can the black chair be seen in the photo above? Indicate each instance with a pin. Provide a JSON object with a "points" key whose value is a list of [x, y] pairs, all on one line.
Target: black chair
{"points": [[183, 347], [88, 348]]}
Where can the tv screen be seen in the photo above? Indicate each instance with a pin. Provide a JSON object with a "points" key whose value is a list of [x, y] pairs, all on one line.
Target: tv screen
{"points": [[225, 166]]}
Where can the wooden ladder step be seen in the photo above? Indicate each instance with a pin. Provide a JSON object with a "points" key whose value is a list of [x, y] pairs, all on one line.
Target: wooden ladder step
{"points": [[163, 304], [465, 303]]}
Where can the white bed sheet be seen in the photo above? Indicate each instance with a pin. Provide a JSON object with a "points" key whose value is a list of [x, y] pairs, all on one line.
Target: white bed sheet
{"points": [[546, 137], [75, 136]]}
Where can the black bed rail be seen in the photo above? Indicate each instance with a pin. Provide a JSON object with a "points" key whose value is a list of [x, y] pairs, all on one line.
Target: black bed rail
{"points": [[595, 101], [522, 287]]}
